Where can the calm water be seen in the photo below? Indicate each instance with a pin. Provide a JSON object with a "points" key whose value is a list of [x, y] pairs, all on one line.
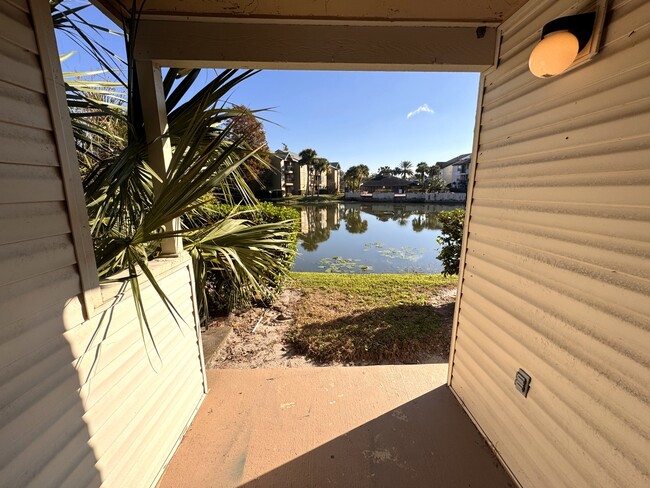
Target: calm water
{"points": [[355, 237]]}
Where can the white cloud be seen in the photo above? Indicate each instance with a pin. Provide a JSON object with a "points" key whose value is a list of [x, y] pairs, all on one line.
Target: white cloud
{"points": [[421, 109]]}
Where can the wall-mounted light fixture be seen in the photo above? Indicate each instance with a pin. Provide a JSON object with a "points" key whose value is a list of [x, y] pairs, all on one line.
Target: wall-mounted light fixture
{"points": [[568, 42]]}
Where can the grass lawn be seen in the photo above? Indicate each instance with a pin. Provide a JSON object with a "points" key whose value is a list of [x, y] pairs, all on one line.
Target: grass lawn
{"points": [[372, 318]]}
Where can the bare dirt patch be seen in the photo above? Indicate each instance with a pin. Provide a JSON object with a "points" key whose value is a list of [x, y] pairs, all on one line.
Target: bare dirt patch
{"points": [[257, 339]]}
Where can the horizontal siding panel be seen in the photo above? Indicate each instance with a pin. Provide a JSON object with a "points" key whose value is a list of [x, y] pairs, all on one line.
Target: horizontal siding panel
{"points": [[516, 47], [613, 255], [577, 296], [596, 152], [556, 274], [528, 21], [17, 300], [629, 127], [632, 194], [569, 165], [16, 27], [54, 423], [116, 433], [558, 93], [123, 313], [106, 401], [32, 334], [29, 221], [30, 184], [123, 394], [631, 233], [19, 144], [116, 359], [83, 475], [573, 178], [25, 426], [473, 388], [611, 97], [65, 461], [553, 122], [24, 107], [563, 399], [32, 258], [560, 472], [20, 67], [156, 429]]}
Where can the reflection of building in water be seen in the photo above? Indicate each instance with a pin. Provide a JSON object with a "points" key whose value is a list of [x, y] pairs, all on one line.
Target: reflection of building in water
{"points": [[304, 221], [316, 223], [319, 218], [322, 217], [333, 216]]}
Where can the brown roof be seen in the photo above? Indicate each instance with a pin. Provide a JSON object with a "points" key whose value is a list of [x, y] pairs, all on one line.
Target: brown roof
{"points": [[385, 181]]}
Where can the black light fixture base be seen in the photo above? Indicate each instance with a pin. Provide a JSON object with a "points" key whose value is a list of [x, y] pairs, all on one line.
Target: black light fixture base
{"points": [[580, 25]]}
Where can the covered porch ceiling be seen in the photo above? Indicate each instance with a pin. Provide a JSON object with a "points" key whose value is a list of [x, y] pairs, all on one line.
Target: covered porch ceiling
{"points": [[391, 35]]}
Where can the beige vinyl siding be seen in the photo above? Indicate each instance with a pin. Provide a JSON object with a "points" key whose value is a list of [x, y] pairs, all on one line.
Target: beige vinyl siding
{"points": [[82, 402], [556, 276]]}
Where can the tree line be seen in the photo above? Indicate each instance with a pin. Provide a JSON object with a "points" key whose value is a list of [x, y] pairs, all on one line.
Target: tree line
{"points": [[428, 175]]}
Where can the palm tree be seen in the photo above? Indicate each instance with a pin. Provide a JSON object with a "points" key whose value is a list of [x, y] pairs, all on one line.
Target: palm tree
{"points": [[422, 169], [207, 165], [308, 158], [434, 170], [355, 175], [405, 169], [385, 171], [320, 165], [363, 172]]}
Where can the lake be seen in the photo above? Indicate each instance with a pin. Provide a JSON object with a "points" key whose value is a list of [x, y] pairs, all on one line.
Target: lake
{"points": [[359, 237]]}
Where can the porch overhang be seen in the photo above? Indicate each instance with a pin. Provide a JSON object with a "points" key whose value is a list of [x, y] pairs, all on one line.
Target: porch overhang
{"points": [[397, 35], [215, 43]]}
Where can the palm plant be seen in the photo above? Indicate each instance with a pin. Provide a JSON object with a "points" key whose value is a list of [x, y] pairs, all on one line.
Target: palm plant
{"points": [[385, 171], [308, 158], [355, 175], [422, 169], [208, 163], [321, 165], [434, 170], [405, 169]]}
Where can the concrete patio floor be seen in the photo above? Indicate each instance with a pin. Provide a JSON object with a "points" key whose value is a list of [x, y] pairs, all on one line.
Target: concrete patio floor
{"points": [[375, 426]]}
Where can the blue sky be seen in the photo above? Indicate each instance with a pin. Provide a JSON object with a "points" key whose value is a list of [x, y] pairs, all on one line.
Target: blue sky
{"points": [[374, 118]]}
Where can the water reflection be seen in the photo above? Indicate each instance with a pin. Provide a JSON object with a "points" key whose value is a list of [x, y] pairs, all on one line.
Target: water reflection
{"points": [[369, 237], [354, 223], [316, 222]]}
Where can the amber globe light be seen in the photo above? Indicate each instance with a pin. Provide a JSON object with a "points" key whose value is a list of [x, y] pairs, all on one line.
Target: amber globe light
{"points": [[554, 54]]}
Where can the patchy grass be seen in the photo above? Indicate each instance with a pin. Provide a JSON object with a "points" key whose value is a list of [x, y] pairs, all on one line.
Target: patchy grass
{"points": [[372, 318]]}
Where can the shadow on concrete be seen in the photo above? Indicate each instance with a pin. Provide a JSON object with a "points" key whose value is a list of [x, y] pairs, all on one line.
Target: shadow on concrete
{"points": [[427, 442]]}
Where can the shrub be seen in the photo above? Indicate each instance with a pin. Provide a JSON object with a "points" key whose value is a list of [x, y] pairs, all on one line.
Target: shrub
{"points": [[451, 239], [225, 294]]}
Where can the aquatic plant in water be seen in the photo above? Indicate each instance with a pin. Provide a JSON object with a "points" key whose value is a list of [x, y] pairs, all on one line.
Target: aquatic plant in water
{"points": [[369, 245], [338, 264], [406, 253]]}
